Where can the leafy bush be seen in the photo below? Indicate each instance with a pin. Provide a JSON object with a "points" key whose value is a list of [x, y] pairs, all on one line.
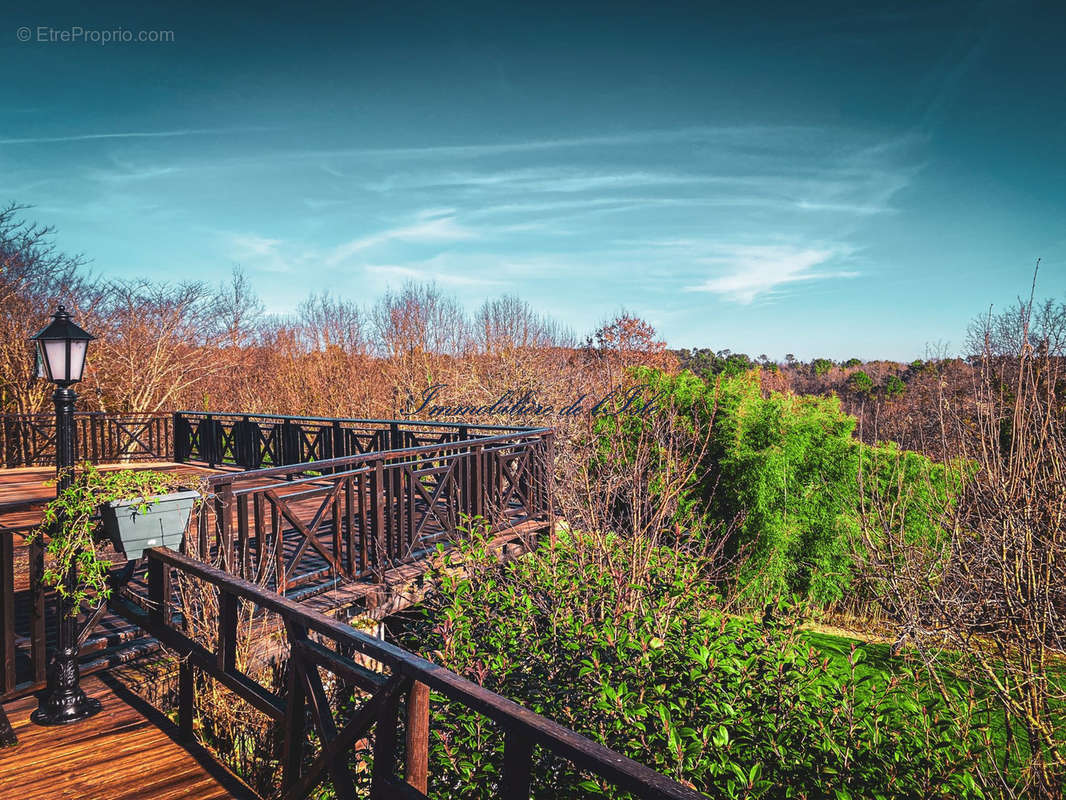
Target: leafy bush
{"points": [[71, 525], [821, 366], [786, 475], [731, 706]]}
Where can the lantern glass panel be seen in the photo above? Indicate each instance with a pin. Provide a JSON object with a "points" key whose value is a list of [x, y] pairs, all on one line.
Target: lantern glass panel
{"points": [[55, 351], [77, 358]]}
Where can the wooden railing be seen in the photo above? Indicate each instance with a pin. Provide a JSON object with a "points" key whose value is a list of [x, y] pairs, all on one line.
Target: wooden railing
{"points": [[246, 441], [255, 441], [395, 682], [299, 526], [12, 682], [360, 515], [28, 440]]}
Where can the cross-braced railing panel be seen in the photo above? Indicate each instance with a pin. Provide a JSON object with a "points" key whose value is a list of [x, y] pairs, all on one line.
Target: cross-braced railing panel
{"points": [[28, 440], [389, 686], [255, 441], [357, 516]]}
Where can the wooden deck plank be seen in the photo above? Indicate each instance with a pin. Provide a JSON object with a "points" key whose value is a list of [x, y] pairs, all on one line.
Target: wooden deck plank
{"points": [[24, 491], [127, 750]]}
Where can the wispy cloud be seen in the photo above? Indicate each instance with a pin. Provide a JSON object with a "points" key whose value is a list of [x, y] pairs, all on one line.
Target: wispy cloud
{"points": [[431, 229], [264, 253], [654, 213], [700, 133], [748, 271], [550, 179], [89, 137]]}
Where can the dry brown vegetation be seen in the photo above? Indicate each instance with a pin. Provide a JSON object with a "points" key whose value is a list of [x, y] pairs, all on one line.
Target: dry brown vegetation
{"points": [[166, 346], [990, 603]]}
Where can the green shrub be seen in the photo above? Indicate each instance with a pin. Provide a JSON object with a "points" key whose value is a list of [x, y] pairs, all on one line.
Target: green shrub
{"points": [[821, 366], [786, 474], [731, 706]]}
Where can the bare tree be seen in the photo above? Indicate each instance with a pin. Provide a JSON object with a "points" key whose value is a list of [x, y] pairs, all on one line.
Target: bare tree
{"points": [[240, 311], [161, 342], [419, 330], [34, 278], [630, 479], [627, 340], [989, 589], [507, 324]]}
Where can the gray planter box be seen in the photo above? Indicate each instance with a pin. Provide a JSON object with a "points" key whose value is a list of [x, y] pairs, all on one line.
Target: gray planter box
{"points": [[162, 524]]}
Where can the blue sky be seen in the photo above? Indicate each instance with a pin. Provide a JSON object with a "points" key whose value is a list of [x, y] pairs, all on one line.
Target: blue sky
{"points": [[824, 179]]}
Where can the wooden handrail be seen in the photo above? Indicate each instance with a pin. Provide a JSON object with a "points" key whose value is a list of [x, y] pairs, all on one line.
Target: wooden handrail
{"points": [[362, 458], [28, 440], [524, 729], [272, 445], [368, 512], [358, 420]]}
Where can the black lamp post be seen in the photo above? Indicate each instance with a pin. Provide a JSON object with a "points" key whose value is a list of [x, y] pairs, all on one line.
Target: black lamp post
{"points": [[61, 349]]}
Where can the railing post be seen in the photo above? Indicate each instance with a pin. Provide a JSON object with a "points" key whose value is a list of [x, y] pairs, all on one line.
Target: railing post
{"points": [[7, 613], [517, 766], [38, 640], [186, 699], [228, 605], [293, 743], [385, 749], [338, 442], [416, 764], [92, 451], [379, 501], [224, 526], [398, 505], [180, 433], [205, 430], [243, 443], [477, 479], [290, 443], [349, 526], [159, 591], [243, 559]]}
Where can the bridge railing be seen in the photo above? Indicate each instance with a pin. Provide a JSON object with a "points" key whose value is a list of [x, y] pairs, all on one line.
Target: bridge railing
{"points": [[258, 441], [296, 526], [359, 515], [394, 686], [28, 440], [245, 441]]}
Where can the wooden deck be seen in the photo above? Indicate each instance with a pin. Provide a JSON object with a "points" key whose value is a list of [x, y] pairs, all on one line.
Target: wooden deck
{"points": [[24, 492], [114, 640], [130, 750], [127, 751]]}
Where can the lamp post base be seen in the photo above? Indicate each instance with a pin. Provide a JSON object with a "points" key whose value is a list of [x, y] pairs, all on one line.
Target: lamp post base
{"points": [[64, 708], [65, 701]]}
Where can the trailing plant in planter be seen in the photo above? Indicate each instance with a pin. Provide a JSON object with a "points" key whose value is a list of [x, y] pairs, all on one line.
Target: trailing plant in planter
{"points": [[74, 523]]}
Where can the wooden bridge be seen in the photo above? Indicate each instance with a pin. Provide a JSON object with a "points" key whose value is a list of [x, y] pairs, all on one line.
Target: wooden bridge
{"points": [[307, 522]]}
